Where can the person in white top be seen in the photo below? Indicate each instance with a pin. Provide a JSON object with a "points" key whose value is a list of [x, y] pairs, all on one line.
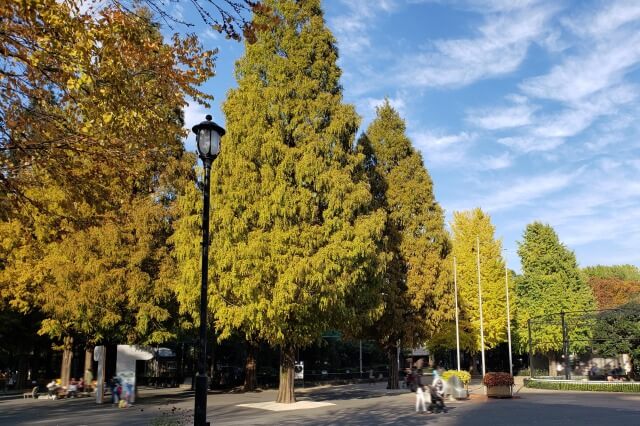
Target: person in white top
{"points": [[51, 388], [72, 389]]}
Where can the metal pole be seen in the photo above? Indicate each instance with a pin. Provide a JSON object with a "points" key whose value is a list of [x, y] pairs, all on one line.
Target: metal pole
{"points": [[506, 284], [455, 288], [530, 351], [360, 358], [200, 412], [565, 346], [398, 356], [484, 371]]}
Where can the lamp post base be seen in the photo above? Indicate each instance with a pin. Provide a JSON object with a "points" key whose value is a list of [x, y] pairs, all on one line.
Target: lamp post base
{"points": [[200, 414]]}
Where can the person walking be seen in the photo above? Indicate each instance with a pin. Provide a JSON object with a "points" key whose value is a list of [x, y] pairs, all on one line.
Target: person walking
{"points": [[420, 394], [116, 388]]}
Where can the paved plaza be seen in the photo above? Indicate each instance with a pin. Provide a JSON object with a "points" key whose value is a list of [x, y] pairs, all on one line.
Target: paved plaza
{"points": [[343, 405]]}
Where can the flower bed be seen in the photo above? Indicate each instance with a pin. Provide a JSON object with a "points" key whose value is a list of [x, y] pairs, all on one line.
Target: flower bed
{"points": [[498, 385], [497, 379]]}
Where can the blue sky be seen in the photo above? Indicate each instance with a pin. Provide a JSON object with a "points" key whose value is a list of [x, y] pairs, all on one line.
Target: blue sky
{"points": [[528, 109]]}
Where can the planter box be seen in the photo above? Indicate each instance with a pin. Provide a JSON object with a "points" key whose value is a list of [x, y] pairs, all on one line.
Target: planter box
{"points": [[503, 391]]}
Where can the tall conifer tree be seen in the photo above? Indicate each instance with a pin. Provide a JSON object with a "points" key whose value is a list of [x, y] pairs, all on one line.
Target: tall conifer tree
{"points": [[294, 235], [416, 292]]}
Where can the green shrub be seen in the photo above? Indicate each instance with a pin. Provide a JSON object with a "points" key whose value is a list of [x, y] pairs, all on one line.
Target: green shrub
{"points": [[464, 376], [629, 387]]}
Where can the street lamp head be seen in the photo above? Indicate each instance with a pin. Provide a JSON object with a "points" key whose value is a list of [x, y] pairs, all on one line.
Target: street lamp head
{"points": [[208, 136]]}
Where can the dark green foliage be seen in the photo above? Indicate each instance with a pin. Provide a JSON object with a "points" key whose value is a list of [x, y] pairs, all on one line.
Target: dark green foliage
{"points": [[618, 332]]}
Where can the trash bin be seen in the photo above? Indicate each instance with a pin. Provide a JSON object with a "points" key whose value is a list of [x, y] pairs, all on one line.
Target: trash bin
{"points": [[456, 389]]}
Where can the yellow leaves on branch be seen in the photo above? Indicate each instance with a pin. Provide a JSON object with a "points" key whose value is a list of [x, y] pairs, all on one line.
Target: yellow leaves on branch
{"points": [[98, 80]]}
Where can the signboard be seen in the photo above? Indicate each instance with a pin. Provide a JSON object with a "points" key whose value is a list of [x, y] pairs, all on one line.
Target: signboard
{"points": [[298, 370]]}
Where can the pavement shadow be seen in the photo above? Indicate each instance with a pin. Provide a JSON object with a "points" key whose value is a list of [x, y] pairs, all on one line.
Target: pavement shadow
{"points": [[338, 394], [390, 415]]}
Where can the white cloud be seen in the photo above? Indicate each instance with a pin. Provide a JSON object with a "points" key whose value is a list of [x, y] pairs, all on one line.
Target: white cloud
{"points": [[177, 12], [499, 162], [499, 49], [615, 14], [580, 115], [512, 116], [600, 67], [441, 149], [352, 29], [483, 6], [525, 191], [211, 34], [525, 144], [194, 113]]}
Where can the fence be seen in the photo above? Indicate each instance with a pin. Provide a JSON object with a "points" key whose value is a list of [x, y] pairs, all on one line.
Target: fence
{"points": [[586, 345]]}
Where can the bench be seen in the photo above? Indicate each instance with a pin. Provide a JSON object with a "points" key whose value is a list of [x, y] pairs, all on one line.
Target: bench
{"points": [[31, 394]]}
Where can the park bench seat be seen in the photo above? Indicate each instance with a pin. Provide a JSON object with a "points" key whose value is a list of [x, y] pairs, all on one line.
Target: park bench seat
{"points": [[33, 393]]}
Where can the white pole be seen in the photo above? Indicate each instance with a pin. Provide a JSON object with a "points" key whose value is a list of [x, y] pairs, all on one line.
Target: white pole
{"points": [[506, 284], [484, 371], [455, 287], [360, 358]]}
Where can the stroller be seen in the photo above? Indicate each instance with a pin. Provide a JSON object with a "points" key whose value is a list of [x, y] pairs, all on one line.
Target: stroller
{"points": [[436, 393]]}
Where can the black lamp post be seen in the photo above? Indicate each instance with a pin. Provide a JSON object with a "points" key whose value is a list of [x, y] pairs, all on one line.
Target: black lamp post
{"points": [[208, 136]]}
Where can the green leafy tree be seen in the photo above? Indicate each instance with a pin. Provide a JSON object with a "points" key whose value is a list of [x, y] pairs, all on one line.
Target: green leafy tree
{"points": [[416, 281], [550, 284], [294, 233], [469, 227], [621, 272], [618, 332]]}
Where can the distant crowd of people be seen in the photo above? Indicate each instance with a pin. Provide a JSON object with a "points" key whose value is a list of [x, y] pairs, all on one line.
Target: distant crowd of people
{"points": [[73, 389]]}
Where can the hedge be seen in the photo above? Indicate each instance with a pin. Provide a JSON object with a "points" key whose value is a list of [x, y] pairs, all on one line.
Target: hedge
{"points": [[628, 387]]}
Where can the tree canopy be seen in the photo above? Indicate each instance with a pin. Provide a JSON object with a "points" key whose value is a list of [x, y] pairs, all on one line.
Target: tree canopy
{"points": [[550, 283], [614, 285], [621, 272], [416, 280], [94, 155], [467, 228], [88, 96], [618, 332], [294, 232]]}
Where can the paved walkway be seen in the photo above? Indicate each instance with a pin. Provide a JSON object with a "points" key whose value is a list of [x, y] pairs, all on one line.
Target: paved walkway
{"points": [[348, 405]]}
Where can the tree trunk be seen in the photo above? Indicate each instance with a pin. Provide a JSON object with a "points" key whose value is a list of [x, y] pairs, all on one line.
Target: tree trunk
{"points": [[473, 368], [392, 353], [250, 380], [286, 393], [553, 363], [67, 356], [88, 366], [21, 382]]}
